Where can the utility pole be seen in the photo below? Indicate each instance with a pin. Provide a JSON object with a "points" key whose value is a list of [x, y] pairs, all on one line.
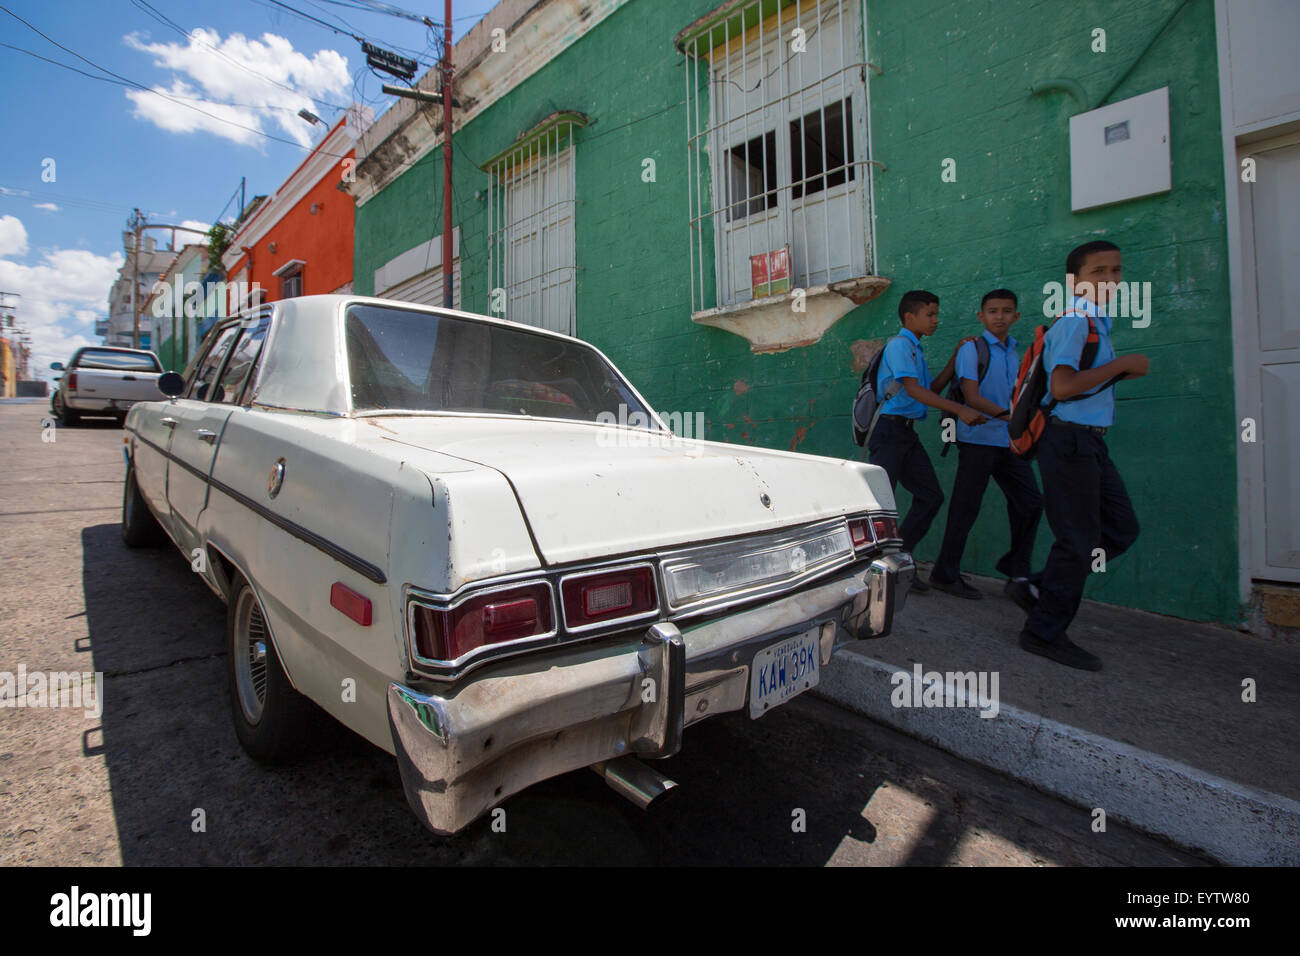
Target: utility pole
{"points": [[136, 222], [446, 160], [139, 224], [390, 63]]}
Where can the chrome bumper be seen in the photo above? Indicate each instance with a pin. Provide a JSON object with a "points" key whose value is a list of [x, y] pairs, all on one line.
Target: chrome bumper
{"points": [[465, 750]]}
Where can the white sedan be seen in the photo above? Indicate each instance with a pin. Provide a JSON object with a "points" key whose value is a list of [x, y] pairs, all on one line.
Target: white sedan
{"points": [[439, 529]]}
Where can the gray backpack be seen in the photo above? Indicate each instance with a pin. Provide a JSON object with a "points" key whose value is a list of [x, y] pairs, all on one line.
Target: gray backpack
{"points": [[867, 405]]}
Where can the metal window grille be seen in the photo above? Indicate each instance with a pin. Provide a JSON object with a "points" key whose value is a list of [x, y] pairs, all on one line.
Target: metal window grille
{"points": [[531, 227], [778, 146]]}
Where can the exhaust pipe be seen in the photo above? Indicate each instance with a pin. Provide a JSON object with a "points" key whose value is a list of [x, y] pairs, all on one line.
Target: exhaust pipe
{"points": [[634, 780]]}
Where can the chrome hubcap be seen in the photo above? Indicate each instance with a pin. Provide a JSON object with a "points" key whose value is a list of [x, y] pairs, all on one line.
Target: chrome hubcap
{"points": [[250, 660]]}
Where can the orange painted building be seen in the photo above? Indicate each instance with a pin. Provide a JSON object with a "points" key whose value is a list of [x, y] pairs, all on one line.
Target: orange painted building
{"points": [[299, 241]]}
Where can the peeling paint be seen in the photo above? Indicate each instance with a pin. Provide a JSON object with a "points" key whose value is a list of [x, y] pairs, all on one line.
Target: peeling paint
{"points": [[863, 351]]}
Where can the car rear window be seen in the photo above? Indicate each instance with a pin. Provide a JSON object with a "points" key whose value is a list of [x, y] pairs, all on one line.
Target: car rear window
{"points": [[119, 361], [421, 362]]}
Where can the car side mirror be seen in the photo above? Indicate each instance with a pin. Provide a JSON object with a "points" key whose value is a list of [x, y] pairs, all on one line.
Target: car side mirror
{"points": [[57, 366], [171, 384]]}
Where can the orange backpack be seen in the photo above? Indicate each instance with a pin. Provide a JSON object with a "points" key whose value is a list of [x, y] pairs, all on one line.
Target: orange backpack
{"points": [[1028, 414]]}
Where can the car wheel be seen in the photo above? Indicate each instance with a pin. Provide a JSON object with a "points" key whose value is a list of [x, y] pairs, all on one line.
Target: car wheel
{"points": [[274, 723], [140, 528]]}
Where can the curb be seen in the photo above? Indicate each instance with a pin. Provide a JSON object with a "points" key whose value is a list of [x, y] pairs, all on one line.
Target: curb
{"points": [[1231, 822]]}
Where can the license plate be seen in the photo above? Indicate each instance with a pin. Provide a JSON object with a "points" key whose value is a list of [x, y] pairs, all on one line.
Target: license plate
{"points": [[783, 671]]}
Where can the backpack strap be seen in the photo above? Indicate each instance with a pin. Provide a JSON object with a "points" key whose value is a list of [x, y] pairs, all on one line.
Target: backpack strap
{"points": [[981, 358], [955, 392], [1087, 358]]}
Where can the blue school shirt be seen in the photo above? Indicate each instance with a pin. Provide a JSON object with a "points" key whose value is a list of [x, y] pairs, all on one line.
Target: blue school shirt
{"points": [[1063, 345], [903, 358], [998, 385]]}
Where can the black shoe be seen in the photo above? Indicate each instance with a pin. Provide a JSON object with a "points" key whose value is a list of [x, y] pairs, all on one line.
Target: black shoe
{"points": [[918, 585], [960, 588], [1063, 651], [1023, 593]]}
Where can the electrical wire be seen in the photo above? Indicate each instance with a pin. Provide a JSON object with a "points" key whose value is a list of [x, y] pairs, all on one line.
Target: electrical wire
{"points": [[141, 87], [376, 6], [162, 18], [132, 85]]}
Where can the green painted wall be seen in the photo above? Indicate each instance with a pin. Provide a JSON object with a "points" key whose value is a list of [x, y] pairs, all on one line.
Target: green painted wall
{"points": [[955, 84]]}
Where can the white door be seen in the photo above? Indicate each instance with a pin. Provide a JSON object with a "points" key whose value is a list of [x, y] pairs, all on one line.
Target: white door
{"points": [[1270, 251]]}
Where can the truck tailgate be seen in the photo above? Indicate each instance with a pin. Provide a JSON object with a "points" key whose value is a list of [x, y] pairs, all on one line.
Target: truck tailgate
{"points": [[104, 385]]}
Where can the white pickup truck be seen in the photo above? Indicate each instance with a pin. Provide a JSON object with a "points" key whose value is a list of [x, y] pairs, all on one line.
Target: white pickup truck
{"points": [[105, 381]]}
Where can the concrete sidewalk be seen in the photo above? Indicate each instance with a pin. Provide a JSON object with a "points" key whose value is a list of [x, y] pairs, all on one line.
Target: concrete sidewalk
{"points": [[1160, 738]]}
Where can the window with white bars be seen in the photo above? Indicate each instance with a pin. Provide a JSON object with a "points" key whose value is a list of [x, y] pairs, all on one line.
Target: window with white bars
{"points": [[531, 227], [777, 148]]}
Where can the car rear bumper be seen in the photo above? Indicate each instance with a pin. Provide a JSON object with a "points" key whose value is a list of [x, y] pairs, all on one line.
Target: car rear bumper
{"points": [[463, 750]]}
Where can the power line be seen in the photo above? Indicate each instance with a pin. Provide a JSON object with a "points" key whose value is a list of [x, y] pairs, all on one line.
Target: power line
{"points": [[146, 89], [388, 9], [307, 16], [384, 43], [95, 205], [162, 18], [132, 85]]}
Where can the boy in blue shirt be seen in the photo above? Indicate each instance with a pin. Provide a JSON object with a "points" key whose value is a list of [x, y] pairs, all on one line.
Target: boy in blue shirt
{"points": [[984, 451], [894, 444], [1086, 503]]}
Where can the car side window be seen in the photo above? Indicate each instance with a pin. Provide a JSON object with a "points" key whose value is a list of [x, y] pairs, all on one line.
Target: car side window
{"points": [[242, 359], [202, 388]]}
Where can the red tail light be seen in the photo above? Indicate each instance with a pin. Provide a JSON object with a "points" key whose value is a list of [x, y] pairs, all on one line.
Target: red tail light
{"points": [[860, 530], [72, 381], [595, 598], [885, 526], [493, 618]]}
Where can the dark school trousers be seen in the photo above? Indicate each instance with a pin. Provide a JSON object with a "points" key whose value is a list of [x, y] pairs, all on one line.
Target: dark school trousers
{"points": [[1087, 508], [898, 449], [975, 465]]}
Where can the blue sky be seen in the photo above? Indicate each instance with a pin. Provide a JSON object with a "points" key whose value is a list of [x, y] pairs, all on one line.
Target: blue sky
{"points": [[235, 74]]}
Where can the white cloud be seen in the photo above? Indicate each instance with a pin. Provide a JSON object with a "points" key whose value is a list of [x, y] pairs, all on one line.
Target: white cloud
{"points": [[13, 237], [268, 78], [189, 236], [46, 205], [62, 295]]}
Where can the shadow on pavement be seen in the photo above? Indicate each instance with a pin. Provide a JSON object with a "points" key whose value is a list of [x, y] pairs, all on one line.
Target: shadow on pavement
{"points": [[174, 762]]}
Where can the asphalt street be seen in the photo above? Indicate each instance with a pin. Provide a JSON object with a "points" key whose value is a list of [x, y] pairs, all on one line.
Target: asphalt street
{"points": [[807, 784]]}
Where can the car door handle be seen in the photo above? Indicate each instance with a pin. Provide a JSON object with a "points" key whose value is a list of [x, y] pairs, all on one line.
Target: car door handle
{"points": [[128, 378], [205, 435], [167, 422]]}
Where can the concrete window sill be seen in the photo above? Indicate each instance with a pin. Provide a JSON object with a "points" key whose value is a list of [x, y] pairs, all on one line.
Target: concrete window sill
{"points": [[771, 323]]}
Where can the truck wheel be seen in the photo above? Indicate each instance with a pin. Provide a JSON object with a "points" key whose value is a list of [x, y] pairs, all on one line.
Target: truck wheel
{"points": [[67, 417], [140, 528], [274, 723]]}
